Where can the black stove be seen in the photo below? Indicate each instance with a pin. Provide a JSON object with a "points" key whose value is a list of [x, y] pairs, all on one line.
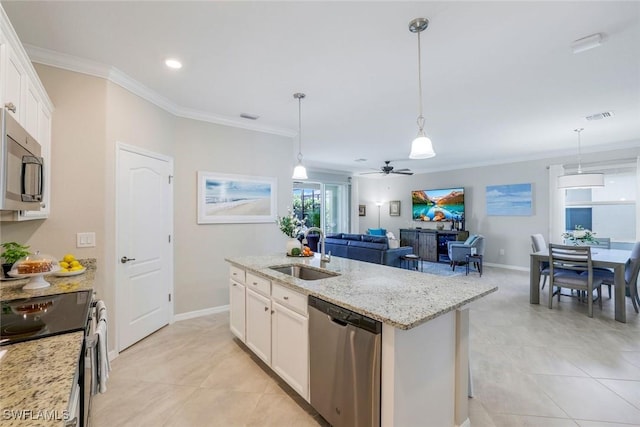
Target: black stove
{"points": [[38, 317]]}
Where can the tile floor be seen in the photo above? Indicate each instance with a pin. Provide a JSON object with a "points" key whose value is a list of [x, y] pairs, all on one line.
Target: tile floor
{"points": [[531, 367]]}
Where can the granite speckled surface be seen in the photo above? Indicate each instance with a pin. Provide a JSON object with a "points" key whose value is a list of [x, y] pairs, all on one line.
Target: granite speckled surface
{"points": [[37, 376], [401, 298], [12, 289], [36, 379]]}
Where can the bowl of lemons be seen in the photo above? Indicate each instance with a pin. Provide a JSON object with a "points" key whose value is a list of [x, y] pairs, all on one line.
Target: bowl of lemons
{"points": [[70, 266]]}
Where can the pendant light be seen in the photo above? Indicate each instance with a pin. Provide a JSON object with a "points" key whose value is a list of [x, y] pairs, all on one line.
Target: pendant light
{"points": [[299, 172], [579, 179], [421, 147]]}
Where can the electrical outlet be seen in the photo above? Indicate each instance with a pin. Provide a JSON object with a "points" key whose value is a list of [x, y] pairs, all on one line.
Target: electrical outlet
{"points": [[501, 251], [86, 240]]}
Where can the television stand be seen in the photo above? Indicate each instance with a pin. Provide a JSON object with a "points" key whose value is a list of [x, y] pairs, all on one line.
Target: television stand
{"points": [[430, 245]]}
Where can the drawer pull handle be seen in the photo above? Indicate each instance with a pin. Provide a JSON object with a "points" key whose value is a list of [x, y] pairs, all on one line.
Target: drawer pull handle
{"points": [[235, 274], [255, 283], [235, 284], [266, 309], [286, 298]]}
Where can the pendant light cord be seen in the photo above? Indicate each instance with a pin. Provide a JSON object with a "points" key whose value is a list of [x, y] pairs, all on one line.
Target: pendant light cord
{"points": [[579, 151], [300, 129], [420, 120]]}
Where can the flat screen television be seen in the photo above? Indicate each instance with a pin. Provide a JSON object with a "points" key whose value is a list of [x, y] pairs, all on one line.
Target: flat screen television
{"points": [[445, 204]]}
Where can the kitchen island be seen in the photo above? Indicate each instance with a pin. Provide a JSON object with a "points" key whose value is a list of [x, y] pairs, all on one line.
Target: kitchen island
{"points": [[37, 376], [424, 378]]}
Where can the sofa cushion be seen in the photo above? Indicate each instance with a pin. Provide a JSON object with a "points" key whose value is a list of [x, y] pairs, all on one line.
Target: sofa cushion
{"points": [[338, 242], [352, 236], [334, 236], [370, 245], [374, 239]]}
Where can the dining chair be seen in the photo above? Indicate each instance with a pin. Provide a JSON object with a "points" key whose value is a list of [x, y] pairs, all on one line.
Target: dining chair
{"points": [[538, 244], [631, 269], [571, 267]]}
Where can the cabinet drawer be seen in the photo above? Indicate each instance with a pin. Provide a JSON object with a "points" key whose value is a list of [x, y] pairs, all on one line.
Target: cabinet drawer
{"points": [[259, 284], [290, 298], [237, 274]]}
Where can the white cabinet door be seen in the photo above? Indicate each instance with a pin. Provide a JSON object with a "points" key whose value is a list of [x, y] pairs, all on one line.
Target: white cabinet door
{"points": [[237, 309], [15, 81], [31, 111], [290, 352], [258, 327]]}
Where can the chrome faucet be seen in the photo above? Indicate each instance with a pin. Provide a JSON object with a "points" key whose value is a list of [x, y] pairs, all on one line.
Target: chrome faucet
{"points": [[323, 257]]}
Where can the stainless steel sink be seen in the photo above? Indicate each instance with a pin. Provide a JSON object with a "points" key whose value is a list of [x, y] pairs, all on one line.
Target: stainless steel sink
{"points": [[303, 272]]}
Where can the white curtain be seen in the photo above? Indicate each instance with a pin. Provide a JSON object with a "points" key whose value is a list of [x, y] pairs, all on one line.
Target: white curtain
{"points": [[556, 205]]}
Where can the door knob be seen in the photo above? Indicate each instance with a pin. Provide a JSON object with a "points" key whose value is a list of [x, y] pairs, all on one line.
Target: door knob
{"points": [[124, 259]]}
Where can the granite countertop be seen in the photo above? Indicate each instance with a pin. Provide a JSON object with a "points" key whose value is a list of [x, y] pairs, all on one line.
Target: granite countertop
{"points": [[37, 378], [401, 298], [12, 289]]}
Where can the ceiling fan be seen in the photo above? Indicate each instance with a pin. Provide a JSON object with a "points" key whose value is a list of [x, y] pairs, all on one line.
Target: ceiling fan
{"points": [[388, 169]]}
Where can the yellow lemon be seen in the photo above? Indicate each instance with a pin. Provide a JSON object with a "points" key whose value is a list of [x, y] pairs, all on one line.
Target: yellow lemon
{"points": [[75, 263], [68, 258], [64, 264], [64, 270], [76, 268]]}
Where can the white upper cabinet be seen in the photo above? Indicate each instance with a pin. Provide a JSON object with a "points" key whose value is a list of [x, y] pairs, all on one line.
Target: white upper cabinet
{"points": [[24, 96]]}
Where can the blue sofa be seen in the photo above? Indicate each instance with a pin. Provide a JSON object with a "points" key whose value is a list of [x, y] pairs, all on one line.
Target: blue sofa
{"points": [[365, 247]]}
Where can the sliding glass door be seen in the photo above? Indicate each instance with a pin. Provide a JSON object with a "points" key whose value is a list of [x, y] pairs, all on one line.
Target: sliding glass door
{"points": [[323, 205]]}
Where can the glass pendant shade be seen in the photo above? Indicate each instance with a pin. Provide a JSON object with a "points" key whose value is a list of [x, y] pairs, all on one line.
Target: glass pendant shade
{"points": [[421, 148], [299, 172], [581, 180]]}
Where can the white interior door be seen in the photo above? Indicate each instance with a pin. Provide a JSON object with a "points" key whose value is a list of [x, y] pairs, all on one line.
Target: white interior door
{"points": [[145, 255]]}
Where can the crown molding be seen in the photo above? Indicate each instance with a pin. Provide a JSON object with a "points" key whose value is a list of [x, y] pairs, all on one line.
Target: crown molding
{"points": [[114, 75]]}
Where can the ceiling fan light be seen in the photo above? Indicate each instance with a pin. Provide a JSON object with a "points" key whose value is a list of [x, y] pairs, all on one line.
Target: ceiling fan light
{"points": [[299, 172], [421, 148], [581, 180]]}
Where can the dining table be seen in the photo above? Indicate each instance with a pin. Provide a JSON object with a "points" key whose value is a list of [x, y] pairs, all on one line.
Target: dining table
{"points": [[600, 257]]}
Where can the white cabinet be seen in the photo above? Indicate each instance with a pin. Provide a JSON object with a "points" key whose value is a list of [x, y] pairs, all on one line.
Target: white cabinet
{"points": [[22, 90], [258, 326], [275, 323], [290, 348], [237, 309], [13, 83]]}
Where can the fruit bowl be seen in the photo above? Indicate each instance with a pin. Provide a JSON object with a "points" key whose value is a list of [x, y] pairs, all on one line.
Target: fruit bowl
{"points": [[61, 273]]}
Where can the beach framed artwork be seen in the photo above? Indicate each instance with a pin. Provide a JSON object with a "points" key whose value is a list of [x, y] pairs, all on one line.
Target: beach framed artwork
{"points": [[228, 198], [509, 200]]}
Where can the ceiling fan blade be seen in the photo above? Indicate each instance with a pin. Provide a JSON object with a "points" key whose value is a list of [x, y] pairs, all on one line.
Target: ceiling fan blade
{"points": [[370, 173], [400, 172]]}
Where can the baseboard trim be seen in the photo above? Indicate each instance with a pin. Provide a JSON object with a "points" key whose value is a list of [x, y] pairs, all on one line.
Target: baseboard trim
{"points": [[200, 313], [506, 266]]}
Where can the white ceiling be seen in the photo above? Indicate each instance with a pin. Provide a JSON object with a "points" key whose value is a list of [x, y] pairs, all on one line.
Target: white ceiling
{"points": [[500, 80]]}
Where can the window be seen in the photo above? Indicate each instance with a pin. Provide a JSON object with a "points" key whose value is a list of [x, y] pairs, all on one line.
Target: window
{"points": [[609, 211]]}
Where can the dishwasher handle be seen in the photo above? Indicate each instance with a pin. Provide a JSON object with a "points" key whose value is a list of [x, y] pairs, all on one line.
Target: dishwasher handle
{"points": [[344, 317]]}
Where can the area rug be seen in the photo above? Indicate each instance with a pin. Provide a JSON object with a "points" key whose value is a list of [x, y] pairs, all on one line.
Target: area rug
{"points": [[442, 269]]}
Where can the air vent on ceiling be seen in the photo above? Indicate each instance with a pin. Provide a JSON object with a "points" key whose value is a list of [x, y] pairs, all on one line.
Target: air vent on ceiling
{"points": [[249, 116], [600, 116]]}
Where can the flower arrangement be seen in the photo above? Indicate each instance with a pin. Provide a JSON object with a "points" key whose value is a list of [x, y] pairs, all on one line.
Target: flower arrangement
{"points": [[291, 225], [580, 236]]}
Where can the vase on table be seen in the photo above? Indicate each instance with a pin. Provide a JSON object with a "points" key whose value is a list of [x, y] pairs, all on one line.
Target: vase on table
{"points": [[293, 243]]}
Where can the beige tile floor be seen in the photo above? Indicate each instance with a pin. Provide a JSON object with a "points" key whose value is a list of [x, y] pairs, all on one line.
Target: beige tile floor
{"points": [[531, 367]]}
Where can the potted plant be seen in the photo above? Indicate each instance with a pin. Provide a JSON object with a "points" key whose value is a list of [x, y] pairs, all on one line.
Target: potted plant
{"points": [[12, 252], [291, 226]]}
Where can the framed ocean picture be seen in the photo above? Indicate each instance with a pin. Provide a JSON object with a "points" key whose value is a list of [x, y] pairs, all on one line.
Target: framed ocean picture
{"points": [[509, 200], [227, 198]]}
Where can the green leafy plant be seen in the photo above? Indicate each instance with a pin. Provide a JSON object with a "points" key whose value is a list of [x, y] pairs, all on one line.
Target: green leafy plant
{"points": [[580, 236], [290, 225], [13, 252]]}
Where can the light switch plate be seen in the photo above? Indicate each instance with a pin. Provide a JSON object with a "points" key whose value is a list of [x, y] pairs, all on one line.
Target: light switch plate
{"points": [[86, 240]]}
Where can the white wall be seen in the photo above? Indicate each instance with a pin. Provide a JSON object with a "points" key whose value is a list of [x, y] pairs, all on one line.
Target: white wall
{"points": [[201, 274], [510, 233]]}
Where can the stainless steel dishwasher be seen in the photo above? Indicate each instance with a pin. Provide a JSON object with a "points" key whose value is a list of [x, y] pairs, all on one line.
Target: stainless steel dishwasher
{"points": [[345, 351]]}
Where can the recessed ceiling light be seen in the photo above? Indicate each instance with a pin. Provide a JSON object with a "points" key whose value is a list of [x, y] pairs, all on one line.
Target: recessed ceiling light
{"points": [[173, 63]]}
